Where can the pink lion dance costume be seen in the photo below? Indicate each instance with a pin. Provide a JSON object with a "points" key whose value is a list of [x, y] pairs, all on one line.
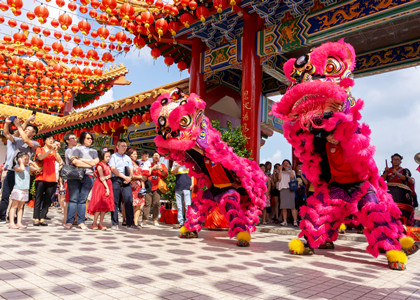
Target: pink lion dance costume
{"points": [[322, 124], [235, 184]]}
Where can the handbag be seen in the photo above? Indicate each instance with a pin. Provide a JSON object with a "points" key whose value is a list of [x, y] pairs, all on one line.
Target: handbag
{"points": [[301, 191], [293, 185], [71, 172], [163, 188]]}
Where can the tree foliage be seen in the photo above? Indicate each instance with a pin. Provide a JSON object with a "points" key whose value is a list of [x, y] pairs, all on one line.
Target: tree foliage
{"points": [[233, 137]]}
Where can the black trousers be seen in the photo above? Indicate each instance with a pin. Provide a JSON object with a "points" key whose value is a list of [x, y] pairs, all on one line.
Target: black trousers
{"points": [[43, 195], [118, 187], [8, 184]]}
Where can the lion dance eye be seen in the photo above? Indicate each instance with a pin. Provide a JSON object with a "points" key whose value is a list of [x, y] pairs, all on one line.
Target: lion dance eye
{"points": [[185, 121], [164, 101], [162, 121], [333, 66]]}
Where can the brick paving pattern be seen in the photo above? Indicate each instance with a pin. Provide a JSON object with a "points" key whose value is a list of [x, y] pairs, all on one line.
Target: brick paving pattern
{"points": [[153, 263]]}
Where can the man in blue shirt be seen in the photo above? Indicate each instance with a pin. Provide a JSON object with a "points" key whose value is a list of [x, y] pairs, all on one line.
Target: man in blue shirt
{"points": [[122, 172]]}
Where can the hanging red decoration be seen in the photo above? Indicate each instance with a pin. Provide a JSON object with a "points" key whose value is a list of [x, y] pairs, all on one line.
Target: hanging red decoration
{"points": [[15, 4], [137, 120], [202, 13], [159, 4], [46, 32], [139, 42], [184, 3], [192, 5], [75, 29], [12, 23], [161, 26], [83, 9], [93, 13], [220, 5], [103, 32], [126, 11], [84, 27], [86, 41], [150, 2], [94, 34], [60, 3], [174, 28], [114, 125], [147, 118], [19, 38], [111, 38], [1, 19], [72, 6], [97, 129], [54, 23], [77, 39], [76, 52], [186, 19], [182, 66], [92, 54], [65, 21], [155, 53], [174, 11], [57, 35], [95, 44], [109, 5], [4, 6], [147, 19], [30, 15], [77, 132], [57, 47], [36, 43], [120, 37], [42, 13], [126, 122], [105, 127]]}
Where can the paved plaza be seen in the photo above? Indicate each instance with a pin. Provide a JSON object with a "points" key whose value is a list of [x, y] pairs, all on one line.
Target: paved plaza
{"points": [[153, 263]]}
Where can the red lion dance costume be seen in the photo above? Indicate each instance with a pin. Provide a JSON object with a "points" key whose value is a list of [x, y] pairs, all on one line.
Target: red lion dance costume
{"points": [[234, 184], [322, 124]]}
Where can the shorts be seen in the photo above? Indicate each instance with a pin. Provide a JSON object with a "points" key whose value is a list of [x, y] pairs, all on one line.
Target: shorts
{"points": [[20, 195]]}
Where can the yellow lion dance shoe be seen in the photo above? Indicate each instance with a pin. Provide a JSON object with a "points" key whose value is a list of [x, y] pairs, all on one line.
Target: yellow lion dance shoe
{"points": [[243, 238]]}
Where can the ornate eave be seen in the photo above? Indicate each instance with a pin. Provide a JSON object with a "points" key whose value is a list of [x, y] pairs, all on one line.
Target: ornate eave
{"points": [[42, 120]]}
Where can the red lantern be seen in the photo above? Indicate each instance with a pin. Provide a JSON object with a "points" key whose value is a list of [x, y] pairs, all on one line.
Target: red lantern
{"points": [[169, 61], [95, 4], [126, 122], [60, 3], [173, 28], [137, 120], [103, 32], [30, 15], [86, 41], [150, 2], [46, 32], [54, 23], [105, 127], [97, 129], [36, 43], [126, 11], [83, 9], [12, 23], [161, 26], [67, 37], [184, 3], [19, 38], [77, 132], [42, 13], [15, 4], [186, 19], [147, 118], [57, 47], [4, 6], [65, 21], [147, 18], [159, 4], [114, 125], [112, 38], [75, 29], [84, 27], [72, 6], [120, 37], [182, 66], [57, 35], [77, 52], [192, 5], [202, 13], [139, 42], [108, 5], [93, 13], [155, 53], [219, 5]]}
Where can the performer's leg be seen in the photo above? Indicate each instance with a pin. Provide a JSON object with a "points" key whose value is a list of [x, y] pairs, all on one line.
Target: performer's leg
{"points": [[196, 213], [381, 228], [322, 216]]}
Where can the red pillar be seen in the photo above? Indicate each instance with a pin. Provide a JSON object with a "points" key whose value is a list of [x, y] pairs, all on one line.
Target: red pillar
{"points": [[251, 87], [197, 84]]}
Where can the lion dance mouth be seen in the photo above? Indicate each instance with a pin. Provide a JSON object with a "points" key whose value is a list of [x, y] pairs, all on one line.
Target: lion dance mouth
{"points": [[320, 85]]}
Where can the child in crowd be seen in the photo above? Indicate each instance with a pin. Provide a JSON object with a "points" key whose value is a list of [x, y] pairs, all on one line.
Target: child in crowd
{"points": [[20, 192], [102, 199]]}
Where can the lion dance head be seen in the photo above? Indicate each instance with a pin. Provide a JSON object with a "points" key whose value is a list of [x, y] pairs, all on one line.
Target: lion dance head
{"points": [[320, 85]]}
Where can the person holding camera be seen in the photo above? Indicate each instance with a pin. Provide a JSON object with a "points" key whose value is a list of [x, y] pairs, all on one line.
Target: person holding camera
{"points": [[25, 144], [287, 197]]}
